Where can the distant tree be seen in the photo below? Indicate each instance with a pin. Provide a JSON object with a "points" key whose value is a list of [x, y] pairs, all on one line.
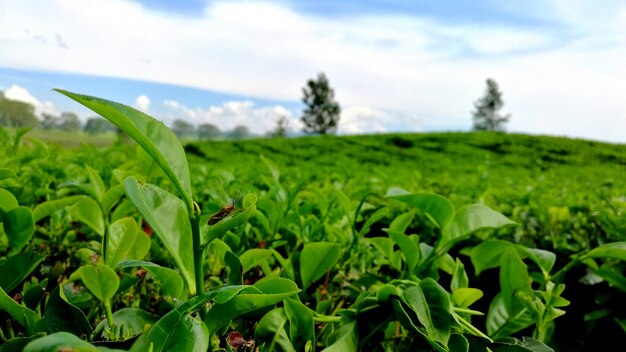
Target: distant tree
{"points": [[97, 125], [182, 128], [49, 121], [321, 114], [208, 131], [281, 129], [240, 132], [69, 121], [486, 116], [15, 113]]}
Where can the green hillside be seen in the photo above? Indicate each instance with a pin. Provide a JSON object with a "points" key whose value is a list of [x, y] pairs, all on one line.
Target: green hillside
{"points": [[359, 233], [560, 182]]}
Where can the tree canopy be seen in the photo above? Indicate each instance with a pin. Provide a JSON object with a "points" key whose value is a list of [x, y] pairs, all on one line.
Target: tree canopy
{"points": [[322, 112], [486, 116]]}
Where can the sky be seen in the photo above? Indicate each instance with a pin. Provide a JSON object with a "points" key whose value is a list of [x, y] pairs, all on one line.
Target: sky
{"points": [[411, 66]]}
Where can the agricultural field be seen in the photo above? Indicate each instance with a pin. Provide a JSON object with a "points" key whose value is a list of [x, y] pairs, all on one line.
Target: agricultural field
{"points": [[395, 242]]}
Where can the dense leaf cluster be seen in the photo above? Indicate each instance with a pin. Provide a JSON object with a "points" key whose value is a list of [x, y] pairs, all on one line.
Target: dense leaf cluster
{"points": [[132, 248]]}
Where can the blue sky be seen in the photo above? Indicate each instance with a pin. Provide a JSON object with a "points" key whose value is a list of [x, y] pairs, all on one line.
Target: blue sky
{"points": [[395, 65]]}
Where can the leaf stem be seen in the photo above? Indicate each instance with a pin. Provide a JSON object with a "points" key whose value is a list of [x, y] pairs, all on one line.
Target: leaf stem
{"points": [[109, 312], [197, 254], [326, 318]]}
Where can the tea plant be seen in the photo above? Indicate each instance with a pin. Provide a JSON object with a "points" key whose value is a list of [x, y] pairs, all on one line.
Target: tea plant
{"points": [[122, 249]]}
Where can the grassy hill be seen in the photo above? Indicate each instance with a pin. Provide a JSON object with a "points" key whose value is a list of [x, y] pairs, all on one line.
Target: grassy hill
{"points": [[551, 185]]}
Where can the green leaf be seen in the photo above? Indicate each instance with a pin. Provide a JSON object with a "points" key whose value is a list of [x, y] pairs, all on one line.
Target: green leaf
{"points": [[99, 279], [178, 325], [45, 209], [431, 304], [383, 244], [18, 267], [316, 259], [235, 271], [272, 167], [89, 213], [344, 339], [7, 201], [61, 315], [17, 344], [526, 344], [121, 237], [61, 342], [301, 324], [401, 222], [458, 343], [271, 330], [615, 250], [253, 257], [6, 174], [140, 247], [438, 209], [502, 323], [97, 185], [487, 255], [152, 135], [266, 292], [408, 246], [466, 296], [26, 317], [459, 277], [513, 277], [128, 322], [111, 196], [167, 216], [19, 227], [471, 218], [171, 282]]}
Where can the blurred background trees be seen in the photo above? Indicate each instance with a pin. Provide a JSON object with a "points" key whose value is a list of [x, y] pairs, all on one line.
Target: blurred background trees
{"points": [[322, 112], [486, 116]]}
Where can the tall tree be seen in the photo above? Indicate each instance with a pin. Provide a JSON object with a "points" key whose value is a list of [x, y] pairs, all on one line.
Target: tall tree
{"points": [[96, 125], [321, 114], [15, 113], [208, 131], [49, 121], [281, 129], [486, 116], [182, 128], [240, 132], [69, 121]]}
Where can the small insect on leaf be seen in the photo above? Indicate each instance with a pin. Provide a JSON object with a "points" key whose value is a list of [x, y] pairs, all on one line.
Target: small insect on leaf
{"points": [[226, 210]]}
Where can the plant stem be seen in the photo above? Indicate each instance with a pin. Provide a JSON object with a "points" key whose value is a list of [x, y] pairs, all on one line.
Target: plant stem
{"points": [[558, 276], [197, 254], [109, 313], [326, 319]]}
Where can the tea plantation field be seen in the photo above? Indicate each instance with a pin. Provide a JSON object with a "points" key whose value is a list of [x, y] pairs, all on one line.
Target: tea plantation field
{"points": [[396, 242]]}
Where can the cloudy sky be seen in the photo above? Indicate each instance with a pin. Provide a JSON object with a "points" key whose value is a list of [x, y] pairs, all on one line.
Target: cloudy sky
{"points": [[395, 65]]}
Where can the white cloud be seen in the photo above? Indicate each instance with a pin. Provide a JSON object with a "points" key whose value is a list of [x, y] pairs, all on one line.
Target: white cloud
{"points": [[555, 80], [18, 93], [362, 119], [228, 115], [143, 103]]}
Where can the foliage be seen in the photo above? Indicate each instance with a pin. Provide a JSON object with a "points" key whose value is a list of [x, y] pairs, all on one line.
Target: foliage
{"points": [[141, 247], [321, 115], [183, 128], [97, 125], [486, 116], [239, 132], [69, 121], [208, 131], [281, 129], [15, 113]]}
